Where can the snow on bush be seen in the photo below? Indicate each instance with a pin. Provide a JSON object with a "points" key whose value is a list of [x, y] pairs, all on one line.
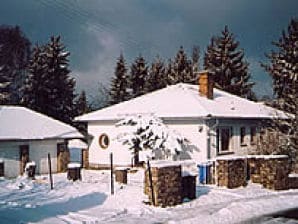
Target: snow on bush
{"points": [[144, 132]]}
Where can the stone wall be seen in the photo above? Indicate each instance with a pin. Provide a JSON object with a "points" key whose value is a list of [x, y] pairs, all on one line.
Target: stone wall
{"points": [[269, 170], [274, 172], [167, 185], [254, 168], [231, 172]]}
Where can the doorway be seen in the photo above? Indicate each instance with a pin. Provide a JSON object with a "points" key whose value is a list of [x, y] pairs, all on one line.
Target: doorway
{"points": [[63, 157], [24, 157]]}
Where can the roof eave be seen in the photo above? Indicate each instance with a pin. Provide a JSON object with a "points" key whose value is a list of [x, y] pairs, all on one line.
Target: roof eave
{"points": [[40, 139], [209, 116]]}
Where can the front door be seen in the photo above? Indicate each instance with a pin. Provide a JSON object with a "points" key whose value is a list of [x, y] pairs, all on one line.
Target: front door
{"points": [[24, 157], [62, 157]]}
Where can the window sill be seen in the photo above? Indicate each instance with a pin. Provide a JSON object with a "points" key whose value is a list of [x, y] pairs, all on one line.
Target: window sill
{"points": [[225, 153], [243, 145]]}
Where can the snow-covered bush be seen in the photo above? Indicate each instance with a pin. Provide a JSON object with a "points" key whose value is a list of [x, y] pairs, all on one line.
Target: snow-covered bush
{"points": [[147, 132]]}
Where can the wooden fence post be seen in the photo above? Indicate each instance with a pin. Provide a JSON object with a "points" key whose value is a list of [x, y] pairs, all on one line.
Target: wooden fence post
{"points": [[50, 170], [151, 182], [112, 178]]}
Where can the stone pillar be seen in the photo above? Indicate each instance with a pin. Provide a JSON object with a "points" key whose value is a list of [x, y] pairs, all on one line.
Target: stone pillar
{"points": [[254, 165], [231, 172], [74, 171], [167, 184], [121, 175]]}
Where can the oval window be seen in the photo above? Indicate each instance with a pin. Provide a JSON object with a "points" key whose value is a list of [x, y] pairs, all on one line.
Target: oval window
{"points": [[104, 141]]}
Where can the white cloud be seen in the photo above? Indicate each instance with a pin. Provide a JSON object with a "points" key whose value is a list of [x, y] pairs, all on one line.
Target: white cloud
{"points": [[107, 48]]}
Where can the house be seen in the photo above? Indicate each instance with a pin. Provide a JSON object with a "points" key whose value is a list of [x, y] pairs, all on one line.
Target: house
{"points": [[26, 135], [215, 122]]}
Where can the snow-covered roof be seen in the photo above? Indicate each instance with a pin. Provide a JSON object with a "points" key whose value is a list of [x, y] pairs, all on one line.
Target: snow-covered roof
{"points": [[182, 101], [20, 123]]}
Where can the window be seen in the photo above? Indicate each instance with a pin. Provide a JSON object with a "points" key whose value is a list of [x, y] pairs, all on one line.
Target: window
{"points": [[242, 135], [224, 139], [104, 141], [253, 135]]}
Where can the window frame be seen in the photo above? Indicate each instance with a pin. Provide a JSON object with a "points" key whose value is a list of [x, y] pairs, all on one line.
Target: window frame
{"points": [[101, 141], [219, 143]]}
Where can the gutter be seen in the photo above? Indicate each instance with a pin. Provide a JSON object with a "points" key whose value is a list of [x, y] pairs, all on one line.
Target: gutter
{"points": [[209, 137]]}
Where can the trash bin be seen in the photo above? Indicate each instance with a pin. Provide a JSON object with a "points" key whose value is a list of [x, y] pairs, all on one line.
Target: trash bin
{"points": [[189, 186], [1, 168], [121, 175], [74, 171], [204, 173]]}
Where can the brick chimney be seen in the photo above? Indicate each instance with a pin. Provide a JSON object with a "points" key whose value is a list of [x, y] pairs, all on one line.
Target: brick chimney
{"points": [[206, 84]]}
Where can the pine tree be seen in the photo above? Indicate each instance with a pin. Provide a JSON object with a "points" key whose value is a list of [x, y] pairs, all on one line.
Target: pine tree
{"points": [[4, 86], [120, 83], [14, 56], [183, 68], [157, 76], [227, 64], [62, 94], [36, 88], [283, 68], [170, 73], [49, 88], [81, 104], [195, 59], [138, 77]]}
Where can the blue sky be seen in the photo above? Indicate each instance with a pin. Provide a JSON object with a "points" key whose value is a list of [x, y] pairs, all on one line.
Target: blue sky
{"points": [[96, 31]]}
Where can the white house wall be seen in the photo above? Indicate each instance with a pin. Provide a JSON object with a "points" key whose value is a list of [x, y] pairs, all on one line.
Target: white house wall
{"points": [[194, 131], [38, 152], [98, 155], [9, 152]]}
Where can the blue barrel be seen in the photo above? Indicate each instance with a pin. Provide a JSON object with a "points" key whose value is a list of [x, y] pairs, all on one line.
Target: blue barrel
{"points": [[203, 173]]}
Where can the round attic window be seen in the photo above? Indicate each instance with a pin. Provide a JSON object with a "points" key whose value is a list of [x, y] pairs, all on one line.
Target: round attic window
{"points": [[104, 141]]}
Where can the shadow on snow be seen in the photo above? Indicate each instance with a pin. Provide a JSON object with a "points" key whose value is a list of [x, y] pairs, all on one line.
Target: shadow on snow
{"points": [[202, 190], [20, 215]]}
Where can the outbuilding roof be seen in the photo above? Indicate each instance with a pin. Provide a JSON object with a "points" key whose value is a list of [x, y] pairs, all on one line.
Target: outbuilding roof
{"points": [[183, 101], [20, 123]]}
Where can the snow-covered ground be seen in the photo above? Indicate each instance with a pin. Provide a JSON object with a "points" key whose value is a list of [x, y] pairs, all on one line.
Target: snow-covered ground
{"points": [[89, 202]]}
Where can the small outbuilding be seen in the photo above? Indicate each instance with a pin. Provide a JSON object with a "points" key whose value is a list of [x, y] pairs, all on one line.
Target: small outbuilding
{"points": [[26, 135]]}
